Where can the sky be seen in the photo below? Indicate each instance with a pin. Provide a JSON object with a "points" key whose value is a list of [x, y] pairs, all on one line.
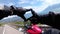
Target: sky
{"points": [[36, 5]]}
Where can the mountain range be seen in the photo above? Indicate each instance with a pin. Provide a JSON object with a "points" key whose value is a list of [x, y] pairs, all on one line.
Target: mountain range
{"points": [[11, 20], [55, 8]]}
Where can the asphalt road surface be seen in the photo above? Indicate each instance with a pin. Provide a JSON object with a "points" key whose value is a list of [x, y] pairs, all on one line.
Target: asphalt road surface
{"points": [[1, 30], [9, 30]]}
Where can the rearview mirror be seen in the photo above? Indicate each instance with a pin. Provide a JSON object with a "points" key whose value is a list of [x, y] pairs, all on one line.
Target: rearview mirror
{"points": [[28, 14]]}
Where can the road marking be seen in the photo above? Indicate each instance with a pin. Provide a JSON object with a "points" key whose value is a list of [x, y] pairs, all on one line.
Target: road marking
{"points": [[4, 30]]}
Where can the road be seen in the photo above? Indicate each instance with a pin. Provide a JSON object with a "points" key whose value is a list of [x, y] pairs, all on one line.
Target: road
{"points": [[1, 30], [9, 30]]}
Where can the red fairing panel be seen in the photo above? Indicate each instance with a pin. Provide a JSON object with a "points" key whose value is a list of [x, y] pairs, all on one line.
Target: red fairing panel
{"points": [[35, 30]]}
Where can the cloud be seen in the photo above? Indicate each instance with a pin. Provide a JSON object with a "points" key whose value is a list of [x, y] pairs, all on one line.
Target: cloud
{"points": [[38, 8], [32, 2], [44, 5], [1, 4], [50, 2], [23, 1], [9, 4]]}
